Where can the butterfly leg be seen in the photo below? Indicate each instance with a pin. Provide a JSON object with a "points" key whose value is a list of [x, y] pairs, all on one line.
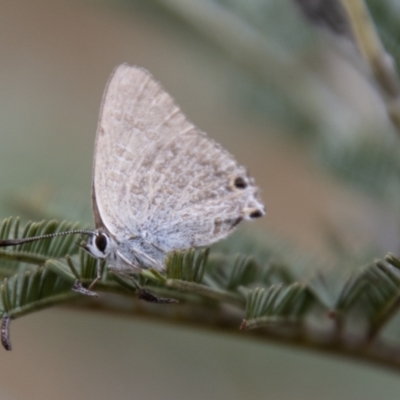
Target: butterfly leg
{"points": [[98, 277], [143, 294], [79, 288], [151, 298]]}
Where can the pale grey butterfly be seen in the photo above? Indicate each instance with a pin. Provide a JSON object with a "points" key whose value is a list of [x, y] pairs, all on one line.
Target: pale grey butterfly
{"points": [[159, 183]]}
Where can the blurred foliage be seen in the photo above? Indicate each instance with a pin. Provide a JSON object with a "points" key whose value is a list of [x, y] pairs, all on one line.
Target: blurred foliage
{"points": [[278, 46], [258, 283]]}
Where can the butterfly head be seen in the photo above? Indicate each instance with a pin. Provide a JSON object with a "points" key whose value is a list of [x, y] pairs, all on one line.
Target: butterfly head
{"points": [[99, 244]]}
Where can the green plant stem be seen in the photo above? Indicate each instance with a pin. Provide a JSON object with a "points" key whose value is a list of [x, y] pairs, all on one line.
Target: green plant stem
{"points": [[29, 258], [205, 291], [223, 320], [265, 322], [41, 304], [349, 347]]}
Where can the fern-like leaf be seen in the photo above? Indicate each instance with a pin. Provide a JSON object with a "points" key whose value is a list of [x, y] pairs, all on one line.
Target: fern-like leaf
{"points": [[35, 253], [224, 274], [278, 303], [188, 266], [30, 291]]}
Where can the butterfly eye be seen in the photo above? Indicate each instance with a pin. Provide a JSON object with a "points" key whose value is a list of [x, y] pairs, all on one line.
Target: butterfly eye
{"points": [[101, 242], [240, 183]]}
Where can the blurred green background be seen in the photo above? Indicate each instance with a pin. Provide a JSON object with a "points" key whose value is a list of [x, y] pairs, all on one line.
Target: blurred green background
{"points": [[286, 123]]}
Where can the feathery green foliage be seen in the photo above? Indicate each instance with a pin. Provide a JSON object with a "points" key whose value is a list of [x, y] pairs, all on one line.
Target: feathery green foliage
{"points": [[277, 304], [266, 296], [39, 251], [33, 290], [190, 267], [241, 278]]}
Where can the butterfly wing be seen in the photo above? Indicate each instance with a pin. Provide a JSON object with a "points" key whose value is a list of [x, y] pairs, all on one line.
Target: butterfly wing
{"points": [[157, 177]]}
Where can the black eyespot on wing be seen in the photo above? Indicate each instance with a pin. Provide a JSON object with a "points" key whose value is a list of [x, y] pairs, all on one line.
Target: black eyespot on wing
{"points": [[240, 183], [101, 242], [256, 214]]}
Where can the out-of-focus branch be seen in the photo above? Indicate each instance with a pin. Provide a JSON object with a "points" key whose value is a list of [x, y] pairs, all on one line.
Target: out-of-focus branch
{"points": [[328, 13], [378, 59]]}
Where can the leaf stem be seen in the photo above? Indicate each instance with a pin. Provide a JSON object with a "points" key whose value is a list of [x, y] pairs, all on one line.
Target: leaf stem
{"points": [[205, 291], [29, 258]]}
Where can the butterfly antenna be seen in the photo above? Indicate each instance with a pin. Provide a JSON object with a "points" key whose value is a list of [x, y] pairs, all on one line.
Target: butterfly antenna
{"points": [[15, 242]]}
